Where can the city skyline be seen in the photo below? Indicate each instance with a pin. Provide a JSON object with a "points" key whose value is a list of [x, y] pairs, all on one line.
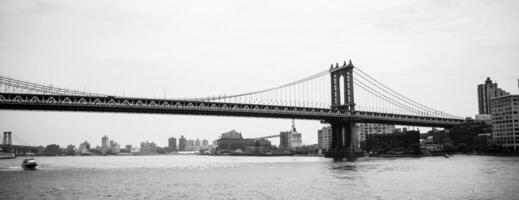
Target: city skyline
{"points": [[208, 56]]}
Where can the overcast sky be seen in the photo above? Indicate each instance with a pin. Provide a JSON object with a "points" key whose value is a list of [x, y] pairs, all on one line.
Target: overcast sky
{"points": [[435, 52]]}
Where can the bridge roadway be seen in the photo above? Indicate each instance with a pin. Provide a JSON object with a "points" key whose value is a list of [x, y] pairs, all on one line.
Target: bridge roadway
{"points": [[44, 102]]}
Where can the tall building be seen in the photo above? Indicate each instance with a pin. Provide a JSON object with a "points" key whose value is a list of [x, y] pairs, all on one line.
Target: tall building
{"points": [[172, 144], [505, 122], [324, 138], [182, 143], [84, 148], [105, 142], [290, 139], [7, 138], [486, 92]]}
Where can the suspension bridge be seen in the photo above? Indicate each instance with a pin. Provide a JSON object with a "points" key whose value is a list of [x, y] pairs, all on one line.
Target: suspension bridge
{"points": [[330, 96]]}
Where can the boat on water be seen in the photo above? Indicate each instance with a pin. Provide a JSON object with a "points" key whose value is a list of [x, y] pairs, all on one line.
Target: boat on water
{"points": [[29, 164], [446, 155]]}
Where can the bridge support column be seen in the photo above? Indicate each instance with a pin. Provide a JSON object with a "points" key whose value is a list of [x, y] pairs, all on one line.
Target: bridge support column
{"points": [[342, 140]]}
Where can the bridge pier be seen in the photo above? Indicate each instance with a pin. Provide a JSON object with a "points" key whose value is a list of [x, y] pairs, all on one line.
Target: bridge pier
{"points": [[342, 146]]}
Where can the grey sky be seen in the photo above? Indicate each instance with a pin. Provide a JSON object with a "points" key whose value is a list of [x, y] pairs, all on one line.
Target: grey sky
{"points": [[432, 51]]}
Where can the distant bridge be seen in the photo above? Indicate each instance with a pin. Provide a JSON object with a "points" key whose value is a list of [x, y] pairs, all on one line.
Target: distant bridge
{"points": [[328, 96]]}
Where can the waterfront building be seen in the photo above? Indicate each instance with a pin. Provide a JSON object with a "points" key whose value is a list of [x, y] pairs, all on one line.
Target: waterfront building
{"points": [[198, 145], [465, 137], [233, 141], [115, 148], [190, 145], [104, 142], [231, 135], [324, 138], [7, 138], [362, 130], [290, 140], [172, 144], [505, 122], [257, 145], [205, 144], [149, 147], [71, 150], [52, 150], [105, 145], [182, 143], [395, 143], [128, 148], [84, 148], [487, 91], [262, 145]]}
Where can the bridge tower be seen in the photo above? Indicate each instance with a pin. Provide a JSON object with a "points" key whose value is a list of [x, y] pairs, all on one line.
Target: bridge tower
{"points": [[342, 96]]}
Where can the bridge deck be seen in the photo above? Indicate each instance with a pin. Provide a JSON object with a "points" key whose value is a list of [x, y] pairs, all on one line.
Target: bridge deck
{"points": [[43, 102]]}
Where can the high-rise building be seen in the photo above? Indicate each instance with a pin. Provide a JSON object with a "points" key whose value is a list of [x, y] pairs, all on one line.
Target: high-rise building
{"points": [[172, 144], [182, 143], [505, 122], [8, 140], [284, 139], [324, 138], [486, 92], [105, 142]]}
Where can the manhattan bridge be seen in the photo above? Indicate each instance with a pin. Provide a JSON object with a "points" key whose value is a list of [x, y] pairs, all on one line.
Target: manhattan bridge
{"points": [[340, 96]]}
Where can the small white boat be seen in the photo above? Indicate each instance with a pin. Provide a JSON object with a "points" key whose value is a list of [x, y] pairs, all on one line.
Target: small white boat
{"points": [[29, 164]]}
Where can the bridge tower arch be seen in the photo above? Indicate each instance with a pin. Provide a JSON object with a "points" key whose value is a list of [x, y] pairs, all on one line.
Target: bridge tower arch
{"points": [[347, 101], [343, 99]]}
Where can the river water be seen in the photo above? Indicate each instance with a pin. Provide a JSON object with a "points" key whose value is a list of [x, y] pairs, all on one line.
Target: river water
{"points": [[221, 177]]}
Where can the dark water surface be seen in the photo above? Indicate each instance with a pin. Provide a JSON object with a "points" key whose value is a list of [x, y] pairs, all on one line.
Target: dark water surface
{"points": [[208, 177]]}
